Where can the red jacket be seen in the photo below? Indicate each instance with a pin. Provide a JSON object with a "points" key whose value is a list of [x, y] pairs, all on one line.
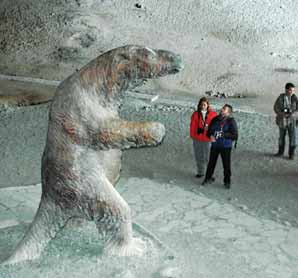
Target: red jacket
{"points": [[197, 122]]}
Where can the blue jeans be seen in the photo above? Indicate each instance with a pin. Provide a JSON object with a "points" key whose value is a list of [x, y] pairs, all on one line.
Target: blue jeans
{"points": [[282, 137]]}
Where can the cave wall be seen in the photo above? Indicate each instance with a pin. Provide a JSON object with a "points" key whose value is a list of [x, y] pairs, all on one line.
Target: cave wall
{"points": [[227, 45]]}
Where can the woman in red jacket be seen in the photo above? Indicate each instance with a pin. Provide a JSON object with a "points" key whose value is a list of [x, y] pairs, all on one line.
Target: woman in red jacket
{"points": [[200, 121]]}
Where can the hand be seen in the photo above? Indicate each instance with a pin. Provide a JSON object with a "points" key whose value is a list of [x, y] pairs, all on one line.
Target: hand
{"points": [[288, 115], [212, 139], [284, 115]]}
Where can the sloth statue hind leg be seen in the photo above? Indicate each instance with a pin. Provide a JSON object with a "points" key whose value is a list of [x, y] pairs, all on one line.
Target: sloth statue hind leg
{"points": [[48, 220], [113, 221]]}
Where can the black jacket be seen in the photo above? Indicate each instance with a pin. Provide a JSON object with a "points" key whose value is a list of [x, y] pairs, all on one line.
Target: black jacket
{"points": [[224, 130]]}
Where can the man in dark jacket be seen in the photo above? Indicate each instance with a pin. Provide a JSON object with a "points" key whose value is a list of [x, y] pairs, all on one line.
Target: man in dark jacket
{"points": [[286, 109], [222, 131]]}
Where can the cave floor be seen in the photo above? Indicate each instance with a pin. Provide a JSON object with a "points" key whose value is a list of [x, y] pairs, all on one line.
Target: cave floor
{"points": [[191, 231]]}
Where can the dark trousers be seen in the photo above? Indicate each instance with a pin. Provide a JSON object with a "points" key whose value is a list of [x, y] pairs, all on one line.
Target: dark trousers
{"points": [[290, 129], [225, 154]]}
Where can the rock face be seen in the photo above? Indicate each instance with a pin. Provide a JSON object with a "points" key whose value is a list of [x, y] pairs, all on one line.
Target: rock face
{"points": [[228, 46], [82, 156]]}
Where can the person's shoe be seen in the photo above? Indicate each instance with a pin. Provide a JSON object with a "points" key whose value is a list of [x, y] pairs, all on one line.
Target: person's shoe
{"points": [[291, 157], [281, 150], [227, 185], [208, 181], [291, 153], [199, 176]]}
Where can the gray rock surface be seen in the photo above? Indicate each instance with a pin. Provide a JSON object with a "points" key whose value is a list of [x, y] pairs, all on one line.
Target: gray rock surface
{"points": [[234, 47]]}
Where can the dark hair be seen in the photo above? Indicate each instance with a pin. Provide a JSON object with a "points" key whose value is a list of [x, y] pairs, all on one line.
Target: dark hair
{"points": [[289, 85], [229, 106], [202, 99]]}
